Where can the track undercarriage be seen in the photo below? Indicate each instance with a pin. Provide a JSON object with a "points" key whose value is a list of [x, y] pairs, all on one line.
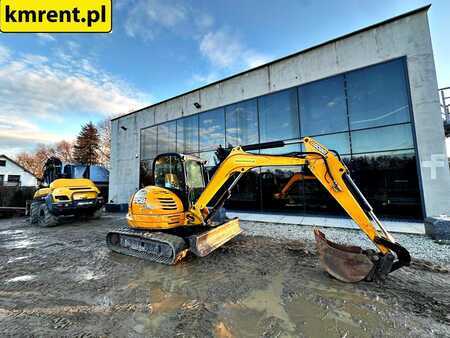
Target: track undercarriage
{"points": [[171, 247]]}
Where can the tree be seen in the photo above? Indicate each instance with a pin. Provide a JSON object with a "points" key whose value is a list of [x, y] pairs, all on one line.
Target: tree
{"points": [[87, 146], [64, 151], [34, 162], [104, 130]]}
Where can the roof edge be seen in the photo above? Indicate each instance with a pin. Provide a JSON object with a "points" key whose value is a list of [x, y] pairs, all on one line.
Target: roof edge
{"points": [[18, 164], [377, 24]]}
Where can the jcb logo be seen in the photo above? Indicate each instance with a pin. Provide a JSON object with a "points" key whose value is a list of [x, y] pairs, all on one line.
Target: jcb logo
{"points": [[54, 16]]}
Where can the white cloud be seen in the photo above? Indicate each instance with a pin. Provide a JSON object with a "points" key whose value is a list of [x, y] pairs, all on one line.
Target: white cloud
{"points": [[34, 92], [203, 20], [148, 17], [46, 37], [220, 48], [4, 54], [224, 50]]}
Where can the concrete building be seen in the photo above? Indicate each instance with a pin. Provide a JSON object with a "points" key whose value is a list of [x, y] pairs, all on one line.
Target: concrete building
{"points": [[372, 95], [13, 174]]}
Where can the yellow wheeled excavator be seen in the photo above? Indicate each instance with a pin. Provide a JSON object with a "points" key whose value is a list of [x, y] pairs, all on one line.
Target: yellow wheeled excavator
{"points": [[179, 213]]}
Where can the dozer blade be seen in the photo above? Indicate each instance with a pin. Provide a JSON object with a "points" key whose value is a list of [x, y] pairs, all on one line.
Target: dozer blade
{"points": [[346, 263], [153, 246], [203, 244]]}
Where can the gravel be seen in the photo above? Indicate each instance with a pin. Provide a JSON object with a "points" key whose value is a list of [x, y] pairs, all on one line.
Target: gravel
{"points": [[419, 246]]}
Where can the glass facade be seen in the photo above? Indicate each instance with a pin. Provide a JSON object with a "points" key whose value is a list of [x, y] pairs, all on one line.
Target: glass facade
{"points": [[242, 123], [364, 114]]}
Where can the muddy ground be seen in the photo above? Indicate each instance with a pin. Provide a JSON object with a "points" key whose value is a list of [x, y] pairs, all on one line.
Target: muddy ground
{"points": [[64, 281]]}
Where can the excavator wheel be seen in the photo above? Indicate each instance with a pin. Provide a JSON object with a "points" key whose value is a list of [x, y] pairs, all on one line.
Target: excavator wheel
{"points": [[45, 217], [97, 214], [34, 212]]}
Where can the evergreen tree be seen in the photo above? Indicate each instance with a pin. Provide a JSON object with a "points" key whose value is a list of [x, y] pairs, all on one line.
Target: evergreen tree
{"points": [[87, 145]]}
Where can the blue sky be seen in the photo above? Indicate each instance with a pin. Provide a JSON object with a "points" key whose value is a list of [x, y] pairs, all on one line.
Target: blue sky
{"points": [[50, 84]]}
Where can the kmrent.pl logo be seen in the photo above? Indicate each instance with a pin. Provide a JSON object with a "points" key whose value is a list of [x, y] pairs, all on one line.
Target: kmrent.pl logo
{"points": [[52, 16]]}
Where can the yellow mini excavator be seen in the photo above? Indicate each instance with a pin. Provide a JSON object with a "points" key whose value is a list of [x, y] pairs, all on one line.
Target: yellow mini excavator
{"points": [[297, 177], [179, 213]]}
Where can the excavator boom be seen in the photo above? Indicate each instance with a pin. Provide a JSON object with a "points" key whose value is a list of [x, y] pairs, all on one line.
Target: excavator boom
{"points": [[347, 263]]}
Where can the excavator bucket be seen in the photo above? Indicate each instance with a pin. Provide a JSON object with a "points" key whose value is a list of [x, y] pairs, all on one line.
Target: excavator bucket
{"points": [[346, 263], [206, 242]]}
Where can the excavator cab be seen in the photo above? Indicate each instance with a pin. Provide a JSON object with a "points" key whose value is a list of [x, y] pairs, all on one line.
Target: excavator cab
{"points": [[183, 175]]}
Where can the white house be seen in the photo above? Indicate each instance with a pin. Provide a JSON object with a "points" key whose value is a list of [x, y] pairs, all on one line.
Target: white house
{"points": [[12, 173]]}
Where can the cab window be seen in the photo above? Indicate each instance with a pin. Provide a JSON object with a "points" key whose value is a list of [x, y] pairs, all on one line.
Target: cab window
{"points": [[169, 173], [195, 180], [194, 175]]}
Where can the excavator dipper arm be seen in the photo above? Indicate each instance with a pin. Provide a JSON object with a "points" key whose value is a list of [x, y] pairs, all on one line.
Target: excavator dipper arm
{"points": [[347, 263]]}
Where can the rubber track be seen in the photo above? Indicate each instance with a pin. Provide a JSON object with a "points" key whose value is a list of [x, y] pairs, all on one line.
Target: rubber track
{"points": [[174, 245]]}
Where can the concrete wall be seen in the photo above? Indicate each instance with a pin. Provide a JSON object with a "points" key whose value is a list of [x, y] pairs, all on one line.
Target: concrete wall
{"points": [[407, 36], [26, 179]]}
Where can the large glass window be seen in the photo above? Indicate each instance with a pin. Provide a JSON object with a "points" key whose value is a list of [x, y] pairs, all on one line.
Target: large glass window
{"points": [[145, 174], [167, 137], [323, 109], [210, 158], [317, 199], [278, 116], [242, 123], [379, 140], [339, 142], [389, 181], [384, 138], [187, 134], [378, 95], [148, 143], [212, 129]]}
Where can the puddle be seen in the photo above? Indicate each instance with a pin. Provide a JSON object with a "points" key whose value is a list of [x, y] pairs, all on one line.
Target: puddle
{"points": [[11, 232], [275, 304], [16, 259], [85, 274], [23, 278]]}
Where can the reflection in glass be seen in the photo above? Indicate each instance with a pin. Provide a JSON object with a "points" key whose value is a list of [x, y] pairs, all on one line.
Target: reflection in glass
{"points": [[278, 116], [246, 194], [339, 142], [377, 95], [389, 181], [148, 143], [384, 138], [180, 136], [210, 158], [323, 109], [212, 129], [242, 123], [290, 148], [167, 137], [187, 134], [273, 183], [145, 173]]}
